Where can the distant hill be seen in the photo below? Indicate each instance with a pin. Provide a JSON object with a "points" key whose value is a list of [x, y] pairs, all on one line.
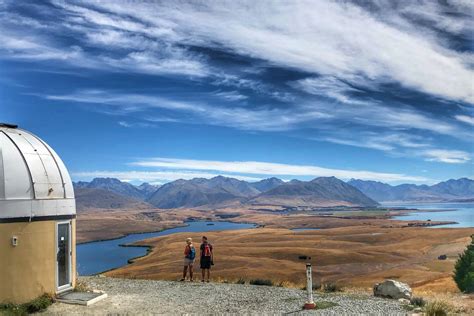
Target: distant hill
{"points": [[451, 190], [200, 191], [267, 184], [114, 185], [147, 189], [323, 191], [91, 198]]}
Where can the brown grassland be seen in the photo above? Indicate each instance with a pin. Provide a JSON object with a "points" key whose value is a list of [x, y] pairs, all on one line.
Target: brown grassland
{"points": [[353, 251]]}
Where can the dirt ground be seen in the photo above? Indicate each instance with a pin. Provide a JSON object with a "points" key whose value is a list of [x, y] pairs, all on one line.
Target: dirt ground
{"points": [[146, 297]]}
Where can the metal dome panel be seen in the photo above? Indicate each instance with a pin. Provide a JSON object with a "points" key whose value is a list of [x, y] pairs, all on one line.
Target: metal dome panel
{"points": [[33, 179], [14, 176]]}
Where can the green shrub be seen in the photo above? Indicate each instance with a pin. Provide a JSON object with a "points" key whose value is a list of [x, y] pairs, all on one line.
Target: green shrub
{"points": [[331, 287], [37, 305], [261, 282], [12, 309], [464, 269], [417, 301], [438, 308]]}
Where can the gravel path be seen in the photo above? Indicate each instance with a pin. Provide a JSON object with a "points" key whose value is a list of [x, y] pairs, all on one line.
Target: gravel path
{"points": [[145, 297]]}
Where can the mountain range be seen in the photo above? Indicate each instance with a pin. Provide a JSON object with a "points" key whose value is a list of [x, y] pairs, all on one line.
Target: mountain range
{"points": [[116, 186], [451, 190], [222, 191], [95, 198], [323, 191], [200, 191]]}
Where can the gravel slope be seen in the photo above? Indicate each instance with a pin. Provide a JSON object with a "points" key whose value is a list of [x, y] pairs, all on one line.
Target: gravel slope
{"points": [[146, 297]]}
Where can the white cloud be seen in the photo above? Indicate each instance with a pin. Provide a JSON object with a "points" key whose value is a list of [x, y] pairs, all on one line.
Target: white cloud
{"points": [[230, 95], [329, 38], [124, 124], [150, 63], [271, 169], [435, 13], [383, 142], [446, 156], [335, 40], [265, 119], [126, 50], [260, 119], [32, 48], [465, 119], [327, 86], [403, 145], [340, 46], [154, 176]]}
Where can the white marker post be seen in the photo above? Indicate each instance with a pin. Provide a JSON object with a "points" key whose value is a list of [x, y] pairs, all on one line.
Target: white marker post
{"points": [[309, 287]]}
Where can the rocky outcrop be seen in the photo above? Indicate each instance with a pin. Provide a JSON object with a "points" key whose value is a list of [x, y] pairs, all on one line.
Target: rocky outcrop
{"points": [[392, 289]]}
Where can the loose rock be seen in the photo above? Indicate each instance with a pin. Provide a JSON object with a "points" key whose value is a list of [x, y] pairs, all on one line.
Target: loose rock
{"points": [[392, 289]]}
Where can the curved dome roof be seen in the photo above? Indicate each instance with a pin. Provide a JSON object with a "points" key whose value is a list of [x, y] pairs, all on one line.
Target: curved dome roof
{"points": [[33, 180]]}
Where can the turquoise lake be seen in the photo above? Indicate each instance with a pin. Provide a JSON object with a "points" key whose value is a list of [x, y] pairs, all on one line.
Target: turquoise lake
{"points": [[463, 213]]}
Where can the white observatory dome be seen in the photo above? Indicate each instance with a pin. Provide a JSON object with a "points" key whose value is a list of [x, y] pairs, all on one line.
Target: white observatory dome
{"points": [[33, 180]]}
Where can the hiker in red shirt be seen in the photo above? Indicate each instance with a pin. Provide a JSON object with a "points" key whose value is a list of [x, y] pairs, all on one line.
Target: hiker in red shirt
{"points": [[207, 258], [189, 255]]}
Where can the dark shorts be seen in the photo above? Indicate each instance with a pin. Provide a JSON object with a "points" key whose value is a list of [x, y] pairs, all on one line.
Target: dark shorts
{"points": [[205, 262]]}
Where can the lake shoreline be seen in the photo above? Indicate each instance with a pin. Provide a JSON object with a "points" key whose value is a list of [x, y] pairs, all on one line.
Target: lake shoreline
{"points": [[95, 256], [446, 215], [129, 234]]}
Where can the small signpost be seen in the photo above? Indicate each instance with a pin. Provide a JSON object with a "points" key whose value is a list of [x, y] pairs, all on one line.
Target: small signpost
{"points": [[309, 288]]}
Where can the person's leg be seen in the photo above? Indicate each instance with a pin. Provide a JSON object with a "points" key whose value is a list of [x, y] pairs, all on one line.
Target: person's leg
{"points": [[185, 270], [208, 274], [191, 272], [203, 272]]}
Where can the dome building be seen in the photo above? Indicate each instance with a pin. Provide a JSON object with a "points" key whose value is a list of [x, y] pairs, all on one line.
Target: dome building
{"points": [[37, 219]]}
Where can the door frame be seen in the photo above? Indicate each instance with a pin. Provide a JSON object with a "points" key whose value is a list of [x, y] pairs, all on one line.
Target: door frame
{"points": [[68, 286]]}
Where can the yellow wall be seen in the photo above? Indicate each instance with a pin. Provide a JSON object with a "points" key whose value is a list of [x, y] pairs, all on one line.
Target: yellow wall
{"points": [[29, 269]]}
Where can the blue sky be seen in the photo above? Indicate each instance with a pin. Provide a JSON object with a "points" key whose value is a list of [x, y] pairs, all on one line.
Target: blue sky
{"points": [[160, 90]]}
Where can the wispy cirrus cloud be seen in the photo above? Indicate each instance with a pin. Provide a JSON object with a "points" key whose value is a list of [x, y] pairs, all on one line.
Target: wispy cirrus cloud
{"points": [[396, 142], [355, 43], [328, 86], [260, 119], [404, 145], [447, 156], [390, 76], [337, 39], [268, 119], [270, 169], [385, 142], [154, 176], [103, 41], [465, 118]]}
